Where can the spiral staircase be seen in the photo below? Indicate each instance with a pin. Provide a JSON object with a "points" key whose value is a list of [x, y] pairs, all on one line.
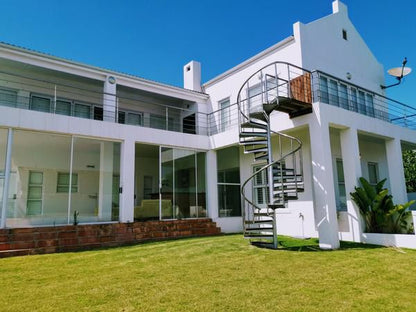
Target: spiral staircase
{"points": [[277, 87]]}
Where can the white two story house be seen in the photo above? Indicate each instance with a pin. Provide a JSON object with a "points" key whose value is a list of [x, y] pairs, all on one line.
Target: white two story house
{"points": [[308, 113]]}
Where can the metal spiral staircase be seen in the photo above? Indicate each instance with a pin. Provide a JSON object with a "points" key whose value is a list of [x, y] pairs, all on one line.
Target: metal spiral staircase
{"points": [[278, 87]]}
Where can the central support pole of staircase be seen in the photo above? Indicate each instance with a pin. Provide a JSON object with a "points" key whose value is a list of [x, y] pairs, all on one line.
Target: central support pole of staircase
{"points": [[270, 181]]}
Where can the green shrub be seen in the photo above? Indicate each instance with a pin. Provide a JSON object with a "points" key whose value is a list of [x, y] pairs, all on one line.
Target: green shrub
{"points": [[378, 211]]}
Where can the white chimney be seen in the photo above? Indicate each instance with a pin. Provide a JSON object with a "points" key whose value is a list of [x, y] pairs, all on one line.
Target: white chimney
{"points": [[339, 7], [192, 76]]}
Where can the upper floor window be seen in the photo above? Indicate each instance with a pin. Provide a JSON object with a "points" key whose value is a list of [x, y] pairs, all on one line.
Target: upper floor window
{"points": [[40, 104], [334, 92], [8, 98], [373, 173], [225, 117], [344, 34]]}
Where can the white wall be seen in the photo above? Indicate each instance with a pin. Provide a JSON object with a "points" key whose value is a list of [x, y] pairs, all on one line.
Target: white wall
{"points": [[323, 48]]}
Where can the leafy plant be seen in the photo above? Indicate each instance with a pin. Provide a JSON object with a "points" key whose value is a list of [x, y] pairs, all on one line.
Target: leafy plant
{"points": [[378, 211], [409, 164]]}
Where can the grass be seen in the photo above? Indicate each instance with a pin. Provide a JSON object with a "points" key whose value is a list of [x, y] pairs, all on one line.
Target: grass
{"points": [[222, 273]]}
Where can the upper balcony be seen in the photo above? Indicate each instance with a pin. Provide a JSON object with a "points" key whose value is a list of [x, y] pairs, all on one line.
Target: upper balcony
{"points": [[333, 91], [35, 88]]}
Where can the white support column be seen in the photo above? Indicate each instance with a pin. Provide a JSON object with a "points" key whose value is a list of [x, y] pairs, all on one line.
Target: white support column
{"points": [[109, 99], [7, 171], [323, 185], [211, 180], [396, 171], [352, 172], [127, 181], [105, 198]]}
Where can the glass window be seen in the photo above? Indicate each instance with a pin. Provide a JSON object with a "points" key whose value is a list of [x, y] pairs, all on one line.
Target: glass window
{"points": [[121, 117], [361, 102], [157, 122], [260, 189], [8, 98], [323, 89], [255, 98], [333, 93], [63, 108], [228, 171], [224, 106], [96, 164], [40, 104], [134, 119], [373, 173], [342, 199], [354, 104], [63, 183], [343, 96], [34, 193], [82, 110], [36, 160], [370, 104]]}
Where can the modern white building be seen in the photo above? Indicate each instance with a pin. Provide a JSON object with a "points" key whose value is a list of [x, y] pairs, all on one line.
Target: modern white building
{"points": [[77, 141]]}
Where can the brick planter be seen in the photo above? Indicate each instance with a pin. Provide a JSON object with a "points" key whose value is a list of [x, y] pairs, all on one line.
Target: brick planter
{"points": [[40, 240]]}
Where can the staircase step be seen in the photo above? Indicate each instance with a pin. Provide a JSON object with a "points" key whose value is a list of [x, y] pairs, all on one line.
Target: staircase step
{"points": [[255, 150], [286, 197], [258, 115], [261, 157], [277, 206], [259, 229], [259, 222], [270, 107], [263, 214], [255, 141], [248, 134], [253, 124], [257, 235]]}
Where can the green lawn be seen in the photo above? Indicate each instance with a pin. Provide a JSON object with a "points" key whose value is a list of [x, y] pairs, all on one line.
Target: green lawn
{"points": [[222, 273]]}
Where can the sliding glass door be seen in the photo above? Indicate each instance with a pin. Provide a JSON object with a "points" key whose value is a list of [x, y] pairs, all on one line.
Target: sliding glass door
{"points": [[182, 183]]}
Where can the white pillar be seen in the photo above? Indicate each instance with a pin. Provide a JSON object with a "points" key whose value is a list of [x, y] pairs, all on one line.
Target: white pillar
{"points": [[7, 171], [109, 99], [323, 185], [212, 188], [352, 172], [105, 192], [127, 171], [396, 171]]}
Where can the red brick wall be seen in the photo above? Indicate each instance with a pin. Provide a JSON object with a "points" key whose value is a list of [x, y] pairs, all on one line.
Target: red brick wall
{"points": [[38, 240]]}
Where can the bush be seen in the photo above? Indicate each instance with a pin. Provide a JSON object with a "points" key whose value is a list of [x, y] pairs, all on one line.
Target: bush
{"points": [[378, 211]]}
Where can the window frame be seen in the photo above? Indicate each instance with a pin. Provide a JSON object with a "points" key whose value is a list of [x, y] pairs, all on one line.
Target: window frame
{"points": [[225, 113], [377, 172], [28, 199], [74, 187]]}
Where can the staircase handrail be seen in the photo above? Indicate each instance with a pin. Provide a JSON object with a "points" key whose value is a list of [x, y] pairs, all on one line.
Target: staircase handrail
{"points": [[269, 165], [259, 70]]}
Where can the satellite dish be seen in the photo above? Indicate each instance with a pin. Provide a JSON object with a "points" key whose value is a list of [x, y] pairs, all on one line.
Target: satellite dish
{"points": [[399, 71]]}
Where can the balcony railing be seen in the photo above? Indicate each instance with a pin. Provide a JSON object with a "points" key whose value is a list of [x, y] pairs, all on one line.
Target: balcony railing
{"points": [[337, 92], [86, 103]]}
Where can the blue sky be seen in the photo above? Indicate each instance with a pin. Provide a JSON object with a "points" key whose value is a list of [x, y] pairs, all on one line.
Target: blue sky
{"points": [[154, 39]]}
